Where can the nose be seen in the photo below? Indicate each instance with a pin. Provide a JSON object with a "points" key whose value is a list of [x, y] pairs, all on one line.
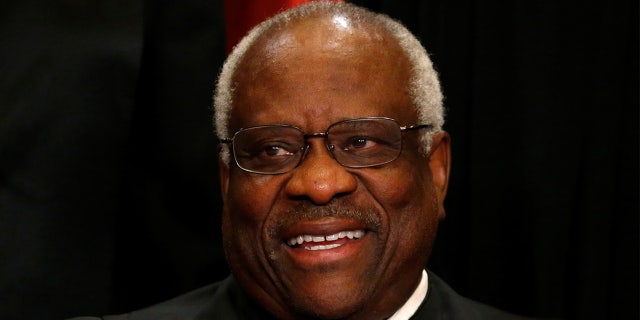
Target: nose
{"points": [[319, 177]]}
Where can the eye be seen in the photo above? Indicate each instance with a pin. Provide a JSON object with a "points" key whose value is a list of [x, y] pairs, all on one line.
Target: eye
{"points": [[274, 151], [358, 143], [266, 150]]}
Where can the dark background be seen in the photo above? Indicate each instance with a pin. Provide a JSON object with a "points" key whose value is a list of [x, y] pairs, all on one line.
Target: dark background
{"points": [[108, 175]]}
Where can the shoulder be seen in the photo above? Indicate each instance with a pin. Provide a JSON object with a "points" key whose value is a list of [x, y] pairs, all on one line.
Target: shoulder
{"points": [[186, 306], [442, 302]]}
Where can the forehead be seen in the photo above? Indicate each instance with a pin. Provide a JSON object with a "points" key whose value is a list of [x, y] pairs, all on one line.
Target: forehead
{"points": [[320, 70]]}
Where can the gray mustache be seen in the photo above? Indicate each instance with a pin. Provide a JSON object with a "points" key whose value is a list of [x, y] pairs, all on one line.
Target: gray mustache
{"points": [[308, 212]]}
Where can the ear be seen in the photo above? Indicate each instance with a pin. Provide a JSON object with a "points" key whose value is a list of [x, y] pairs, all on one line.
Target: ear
{"points": [[224, 178], [440, 164]]}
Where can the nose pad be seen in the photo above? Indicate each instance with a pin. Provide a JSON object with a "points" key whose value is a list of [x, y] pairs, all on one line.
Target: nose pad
{"points": [[319, 177], [331, 148]]}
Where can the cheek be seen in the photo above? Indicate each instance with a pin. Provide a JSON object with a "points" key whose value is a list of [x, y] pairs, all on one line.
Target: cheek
{"points": [[246, 208], [410, 201], [404, 188], [250, 197]]}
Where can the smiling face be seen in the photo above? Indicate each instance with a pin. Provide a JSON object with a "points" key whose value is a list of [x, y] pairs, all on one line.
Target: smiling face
{"points": [[323, 240]]}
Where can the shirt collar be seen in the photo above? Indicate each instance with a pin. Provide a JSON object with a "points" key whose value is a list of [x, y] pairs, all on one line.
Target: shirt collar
{"points": [[413, 303]]}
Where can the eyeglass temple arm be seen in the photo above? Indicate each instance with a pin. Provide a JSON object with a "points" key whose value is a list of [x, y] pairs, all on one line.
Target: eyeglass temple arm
{"points": [[416, 127]]}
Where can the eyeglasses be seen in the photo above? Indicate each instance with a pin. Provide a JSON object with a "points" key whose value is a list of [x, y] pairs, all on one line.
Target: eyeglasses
{"points": [[353, 143]]}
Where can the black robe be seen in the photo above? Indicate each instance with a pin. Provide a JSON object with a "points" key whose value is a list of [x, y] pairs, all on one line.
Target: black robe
{"points": [[226, 300]]}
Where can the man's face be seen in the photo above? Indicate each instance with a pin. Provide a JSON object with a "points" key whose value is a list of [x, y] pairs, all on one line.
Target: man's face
{"points": [[312, 75]]}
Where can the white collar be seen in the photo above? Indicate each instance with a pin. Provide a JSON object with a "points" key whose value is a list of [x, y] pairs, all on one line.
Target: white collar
{"points": [[413, 303]]}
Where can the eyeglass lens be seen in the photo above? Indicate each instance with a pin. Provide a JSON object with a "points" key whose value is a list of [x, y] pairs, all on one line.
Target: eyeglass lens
{"points": [[354, 143]]}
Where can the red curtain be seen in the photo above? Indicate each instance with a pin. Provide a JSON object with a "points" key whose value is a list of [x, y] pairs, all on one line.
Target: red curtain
{"points": [[242, 15]]}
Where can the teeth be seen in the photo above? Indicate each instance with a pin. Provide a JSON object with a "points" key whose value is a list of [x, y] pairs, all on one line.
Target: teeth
{"points": [[351, 234], [321, 247]]}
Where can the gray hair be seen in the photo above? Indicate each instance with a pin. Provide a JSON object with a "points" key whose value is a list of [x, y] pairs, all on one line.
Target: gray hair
{"points": [[424, 85]]}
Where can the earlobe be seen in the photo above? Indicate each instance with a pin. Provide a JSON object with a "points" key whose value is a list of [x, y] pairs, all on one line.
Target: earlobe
{"points": [[440, 165]]}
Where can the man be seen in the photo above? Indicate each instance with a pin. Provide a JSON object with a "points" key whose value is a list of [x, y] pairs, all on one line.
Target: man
{"points": [[334, 168]]}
